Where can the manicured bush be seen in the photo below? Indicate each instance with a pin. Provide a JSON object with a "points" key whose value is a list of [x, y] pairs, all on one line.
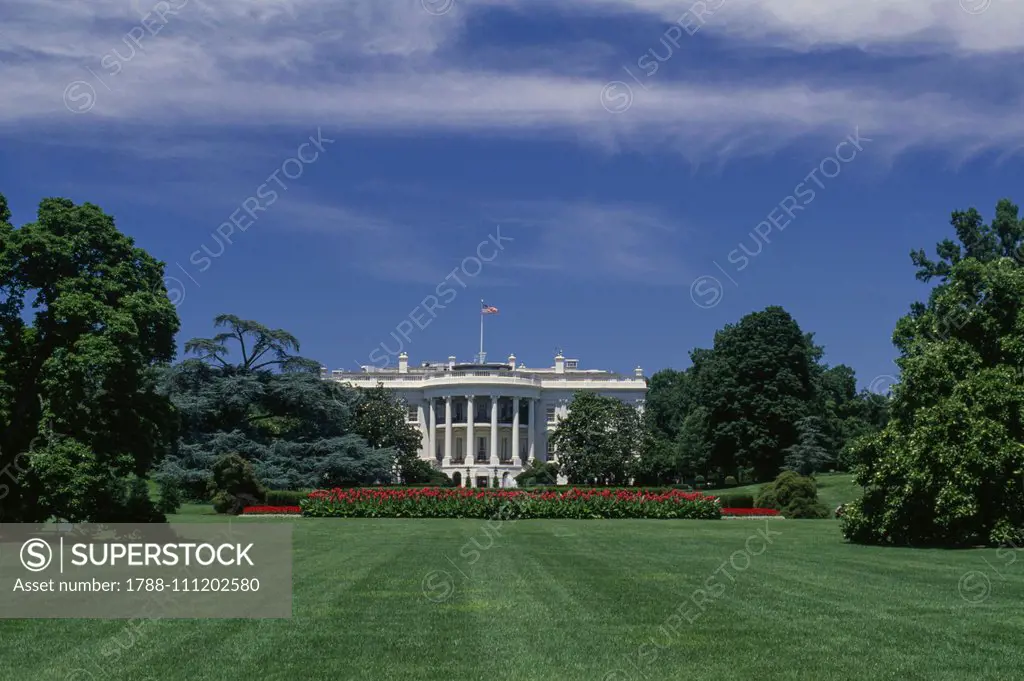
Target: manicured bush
{"points": [[235, 485], [794, 495], [285, 497], [539, 473], [737, 500], [698, 481], [730, 481], [508, 504]]}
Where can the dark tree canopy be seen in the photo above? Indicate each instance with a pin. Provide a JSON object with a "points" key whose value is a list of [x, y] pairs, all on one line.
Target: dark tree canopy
{"points": [[737, 411], [84, 323], [272, 409]]}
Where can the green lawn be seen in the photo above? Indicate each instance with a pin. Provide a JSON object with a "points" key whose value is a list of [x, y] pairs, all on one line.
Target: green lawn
{"points": [[574, 600], [832, 489]]}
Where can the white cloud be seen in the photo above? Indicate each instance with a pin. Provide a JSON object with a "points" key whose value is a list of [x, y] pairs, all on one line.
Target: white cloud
{"points": [[392, 66]]}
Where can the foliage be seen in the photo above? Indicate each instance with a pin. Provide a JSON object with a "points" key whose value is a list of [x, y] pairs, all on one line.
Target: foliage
{"points": [[380, 419], [285, 497], [170, 499], [234, 485], [810, 453], [949, 467], [599, 439], [84, 322], [507, 504], [539, 473], [794, 495], [730, 481], [736, 500], [273, 409], [739, 410]]}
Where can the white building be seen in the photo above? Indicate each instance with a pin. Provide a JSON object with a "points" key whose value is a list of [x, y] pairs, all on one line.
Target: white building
{"points": [[484, 421]]}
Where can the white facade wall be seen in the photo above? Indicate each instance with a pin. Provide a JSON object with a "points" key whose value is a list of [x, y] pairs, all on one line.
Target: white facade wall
{"points": [[449, 388]]}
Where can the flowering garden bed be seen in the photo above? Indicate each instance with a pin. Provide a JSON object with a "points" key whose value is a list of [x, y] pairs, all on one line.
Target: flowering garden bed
{"points": [[271, 510], [433, 502]]}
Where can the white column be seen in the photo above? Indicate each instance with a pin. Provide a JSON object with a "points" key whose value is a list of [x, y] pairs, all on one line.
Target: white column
{"points": [[448, 431], [515, 431], [470, 439], [421, 423], [433, 430], [494, 433], [531, 429]]}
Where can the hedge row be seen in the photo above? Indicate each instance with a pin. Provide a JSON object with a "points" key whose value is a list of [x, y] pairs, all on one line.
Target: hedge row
{"points": [[507, 504]]}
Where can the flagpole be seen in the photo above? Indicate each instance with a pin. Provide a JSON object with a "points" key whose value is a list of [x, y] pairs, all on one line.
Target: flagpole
{"points": [[481, 357]]}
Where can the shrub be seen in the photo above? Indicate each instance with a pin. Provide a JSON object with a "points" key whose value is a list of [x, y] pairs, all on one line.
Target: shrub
{"points": [[285, 497], [507, 504], [170, 497], [730, 481], [698, 481], [539, 473], [739, 501], [234, 485], [794, 495]]}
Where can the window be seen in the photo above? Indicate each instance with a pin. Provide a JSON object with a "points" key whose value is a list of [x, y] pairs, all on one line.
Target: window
{"points": [[481, 449], [551, 414], [459, 414], [439, 447], [458, 448], [413, 413], [551, 448], [523, 449], [571, 363], [504, 447]]}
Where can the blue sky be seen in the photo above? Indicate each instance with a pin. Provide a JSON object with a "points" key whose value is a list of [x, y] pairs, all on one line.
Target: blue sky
{"points": [[627, 150]]}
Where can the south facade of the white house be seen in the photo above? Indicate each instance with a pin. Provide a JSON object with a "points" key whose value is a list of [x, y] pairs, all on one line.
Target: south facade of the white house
{"points": [[485, 421]]}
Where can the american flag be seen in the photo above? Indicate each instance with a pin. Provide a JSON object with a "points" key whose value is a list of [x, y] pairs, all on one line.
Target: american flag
{"points": [[487, 309]]}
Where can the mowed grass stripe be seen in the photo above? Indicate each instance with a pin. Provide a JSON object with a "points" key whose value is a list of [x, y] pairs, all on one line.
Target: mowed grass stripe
{"points": [[571, 600]]}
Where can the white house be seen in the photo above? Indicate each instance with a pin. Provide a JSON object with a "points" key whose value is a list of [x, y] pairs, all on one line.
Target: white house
{"points": [[482, 421]]}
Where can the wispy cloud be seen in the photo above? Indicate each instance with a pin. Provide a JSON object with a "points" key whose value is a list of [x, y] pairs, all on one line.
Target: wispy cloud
{"points": [[393, 66], [596, 241]]}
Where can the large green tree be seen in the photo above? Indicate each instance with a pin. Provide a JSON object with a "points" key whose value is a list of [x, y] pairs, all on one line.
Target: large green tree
{"points": [[756, 384], [949, 467], [249, 392], [85, 321], [598, 441]]}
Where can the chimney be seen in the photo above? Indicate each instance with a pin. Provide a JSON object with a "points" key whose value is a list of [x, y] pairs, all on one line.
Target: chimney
{"points": [[403, 363], [638, 372], [451, 361], [559, 364], [512, 362]]}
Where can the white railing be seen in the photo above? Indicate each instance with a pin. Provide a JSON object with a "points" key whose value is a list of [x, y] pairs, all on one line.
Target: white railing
{"points": [[508, 379]]}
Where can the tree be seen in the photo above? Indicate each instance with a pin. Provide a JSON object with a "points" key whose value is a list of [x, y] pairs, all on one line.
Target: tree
{"points": [[756, 384], [810, 454], [948, 469], [598, 441], [273, 410], [380, 419], [85, 323]]}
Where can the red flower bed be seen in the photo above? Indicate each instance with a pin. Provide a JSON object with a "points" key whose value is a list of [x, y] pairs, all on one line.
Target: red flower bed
{"points": [[266, 510], [436, 502], [749, 511]]}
